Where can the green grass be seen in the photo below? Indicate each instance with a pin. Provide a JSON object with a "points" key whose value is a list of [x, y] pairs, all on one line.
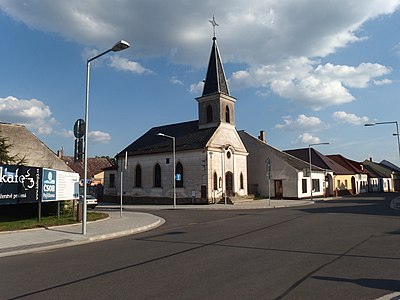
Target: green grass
{"points": [[10, 224]]}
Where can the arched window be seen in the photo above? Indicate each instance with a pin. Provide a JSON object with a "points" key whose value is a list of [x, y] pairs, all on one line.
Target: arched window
{"points": [[215, 181], [209, 114], [138, 176], [157, 175], [227, 115], [179, 175], [241, 181]]}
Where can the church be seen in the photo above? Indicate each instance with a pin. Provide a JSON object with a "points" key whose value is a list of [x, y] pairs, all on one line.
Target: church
{"points": [[200, 161]]}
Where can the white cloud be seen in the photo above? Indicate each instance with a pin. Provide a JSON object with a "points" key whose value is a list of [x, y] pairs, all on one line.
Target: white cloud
{"points": [[196, 88], [32, 113], [342, 116], [174, 80], [273, 30], [66, 133], [307, 138], [99, 137], [301, 123], [298, 79], [124, 64], [383, 82], [355, 77], [283, 39]]}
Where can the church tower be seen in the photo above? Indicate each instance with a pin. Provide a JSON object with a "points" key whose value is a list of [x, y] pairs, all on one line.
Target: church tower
{"points": [[215, 106]]}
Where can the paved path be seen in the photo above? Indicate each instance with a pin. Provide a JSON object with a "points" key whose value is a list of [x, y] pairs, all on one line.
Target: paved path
{"points": [[24, 241]]}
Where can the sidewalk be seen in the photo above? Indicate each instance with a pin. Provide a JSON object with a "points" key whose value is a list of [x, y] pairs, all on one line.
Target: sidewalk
{"points": [[25, 241]]}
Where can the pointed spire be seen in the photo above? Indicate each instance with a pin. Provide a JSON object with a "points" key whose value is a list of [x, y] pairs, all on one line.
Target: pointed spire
{"points": [[215, 79]]}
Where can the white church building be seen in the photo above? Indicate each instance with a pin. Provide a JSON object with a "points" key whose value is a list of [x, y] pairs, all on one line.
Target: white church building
{"points": [[210, 157]]}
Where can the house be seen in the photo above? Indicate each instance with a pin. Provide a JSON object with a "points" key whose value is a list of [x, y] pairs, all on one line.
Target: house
{"points": [[359, 179], [381, 178], [274, 173], [95, 165], [207, 154], [110, 180], [339, 181], [26, 146], [395, 173]]}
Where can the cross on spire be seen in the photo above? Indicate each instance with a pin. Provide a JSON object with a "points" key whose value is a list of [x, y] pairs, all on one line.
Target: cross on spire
{"points": [[214, 24]]}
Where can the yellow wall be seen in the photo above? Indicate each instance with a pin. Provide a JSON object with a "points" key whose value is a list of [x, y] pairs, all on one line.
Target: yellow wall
{"points": [[342, 182]]}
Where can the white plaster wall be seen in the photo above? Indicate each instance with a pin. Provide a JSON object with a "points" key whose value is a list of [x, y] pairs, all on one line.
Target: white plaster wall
{"points": [[194, 174]]}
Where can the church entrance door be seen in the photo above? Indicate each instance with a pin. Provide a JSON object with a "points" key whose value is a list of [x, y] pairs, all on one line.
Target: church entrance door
{"points": [[229, 184]]}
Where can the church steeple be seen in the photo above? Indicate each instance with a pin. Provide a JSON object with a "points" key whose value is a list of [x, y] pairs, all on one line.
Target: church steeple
{"points": [[215, 79], [216, 106]]}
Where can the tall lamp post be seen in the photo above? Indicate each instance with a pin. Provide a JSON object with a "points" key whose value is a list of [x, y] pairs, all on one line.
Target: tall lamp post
{"points": [[309, 159], [391, 122], [173, 152], [121, 45]]}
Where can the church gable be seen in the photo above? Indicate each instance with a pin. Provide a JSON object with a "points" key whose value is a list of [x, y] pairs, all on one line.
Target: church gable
{"points": [[227, 136]]}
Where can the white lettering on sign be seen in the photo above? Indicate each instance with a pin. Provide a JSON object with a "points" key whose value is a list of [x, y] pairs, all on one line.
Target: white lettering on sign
{"points": [[13, 177], [49, 188]]}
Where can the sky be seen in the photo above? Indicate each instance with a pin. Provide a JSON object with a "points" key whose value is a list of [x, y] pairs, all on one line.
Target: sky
{"points": [[305, 71]]}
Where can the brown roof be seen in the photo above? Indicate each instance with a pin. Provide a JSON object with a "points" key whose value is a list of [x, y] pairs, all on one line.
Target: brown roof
{"points": [[95, 165]]}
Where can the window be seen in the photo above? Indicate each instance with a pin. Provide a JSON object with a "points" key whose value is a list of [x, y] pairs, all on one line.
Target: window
{"points": [[315, 185], [345, 183], [209, 114], [157, 175], [179, 175], [304, 185], [227, 115], [241, 181], [112, 181], [215, 181], [228, 154], [138, 176]]}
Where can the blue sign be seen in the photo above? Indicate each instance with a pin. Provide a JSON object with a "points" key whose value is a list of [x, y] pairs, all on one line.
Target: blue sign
{"points": [[49, 185]]}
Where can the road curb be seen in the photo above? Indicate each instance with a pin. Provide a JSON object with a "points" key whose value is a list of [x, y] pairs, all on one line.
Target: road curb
{"points": [[122, 233]]}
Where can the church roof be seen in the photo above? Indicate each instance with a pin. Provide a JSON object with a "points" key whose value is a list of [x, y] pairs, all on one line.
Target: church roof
{"points": [[215, 79], [187, 135]]}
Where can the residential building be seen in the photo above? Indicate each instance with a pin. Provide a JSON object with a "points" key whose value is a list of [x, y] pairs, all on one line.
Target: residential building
{"points": [[340, 182], [381, 178], [26, 146], [359, 181], [276, 174]]}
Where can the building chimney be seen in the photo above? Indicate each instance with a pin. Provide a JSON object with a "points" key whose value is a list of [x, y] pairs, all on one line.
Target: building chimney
{"points": [[370, 159], [60, 152], [262, 136]]}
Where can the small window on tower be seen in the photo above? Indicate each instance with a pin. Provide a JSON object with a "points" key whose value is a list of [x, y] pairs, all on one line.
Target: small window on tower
{"points": [[227, 115], [209, 114]]}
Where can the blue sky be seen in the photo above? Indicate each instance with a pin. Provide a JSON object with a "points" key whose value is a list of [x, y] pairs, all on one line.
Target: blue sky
{"points": [[305, 71]]}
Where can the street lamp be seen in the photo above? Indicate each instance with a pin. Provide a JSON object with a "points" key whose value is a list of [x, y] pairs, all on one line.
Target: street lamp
{"points": [[309, 159], [173, 152], [395, 134], [121, 45]]}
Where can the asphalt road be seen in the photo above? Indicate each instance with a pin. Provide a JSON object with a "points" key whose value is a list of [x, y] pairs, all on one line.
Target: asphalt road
{"points": [[344, 249]]}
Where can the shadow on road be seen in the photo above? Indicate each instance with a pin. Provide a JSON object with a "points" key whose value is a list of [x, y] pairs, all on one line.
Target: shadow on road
{"points": [[383, 284], [370, 204]]}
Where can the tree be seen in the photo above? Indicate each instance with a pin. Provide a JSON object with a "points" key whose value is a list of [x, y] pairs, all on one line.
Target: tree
{"points": [[5, 157]]}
